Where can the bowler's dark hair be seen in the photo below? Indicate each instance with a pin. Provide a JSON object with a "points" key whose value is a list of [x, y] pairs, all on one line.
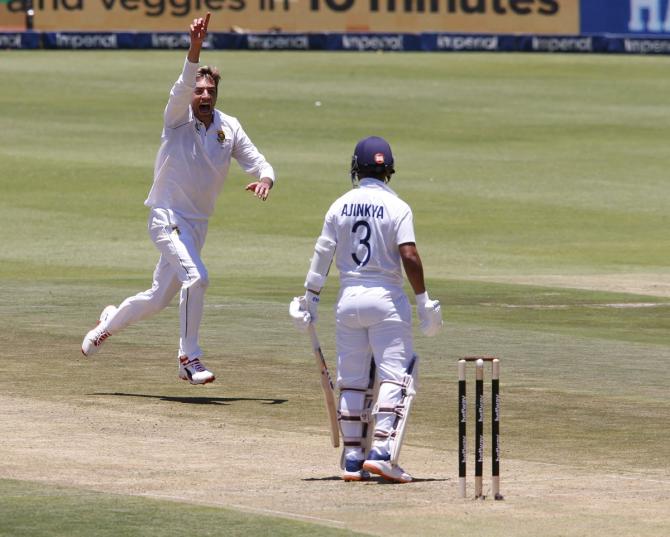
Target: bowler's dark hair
{"points": [[209, 72]]}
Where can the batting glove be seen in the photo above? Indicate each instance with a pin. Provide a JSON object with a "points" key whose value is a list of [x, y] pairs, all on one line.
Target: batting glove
{"points": [[430, 314], [297, 309]]}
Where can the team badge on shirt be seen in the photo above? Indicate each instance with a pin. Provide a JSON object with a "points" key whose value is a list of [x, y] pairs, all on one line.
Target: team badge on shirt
{"points": [[221, 136]]}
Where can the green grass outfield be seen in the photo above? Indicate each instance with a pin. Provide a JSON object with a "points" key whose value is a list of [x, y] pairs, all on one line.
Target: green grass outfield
{"points": [[520, 168], [31, 509]]}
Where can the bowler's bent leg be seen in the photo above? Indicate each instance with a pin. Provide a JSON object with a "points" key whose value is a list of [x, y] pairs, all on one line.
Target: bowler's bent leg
{"points": [[147, 303]]}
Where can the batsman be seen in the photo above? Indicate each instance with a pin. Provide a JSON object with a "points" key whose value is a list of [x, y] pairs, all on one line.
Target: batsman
{"points": [[369, 232]]}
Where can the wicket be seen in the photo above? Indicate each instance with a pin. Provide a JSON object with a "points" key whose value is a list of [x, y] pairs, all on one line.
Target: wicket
{"points": [[479, 425]]}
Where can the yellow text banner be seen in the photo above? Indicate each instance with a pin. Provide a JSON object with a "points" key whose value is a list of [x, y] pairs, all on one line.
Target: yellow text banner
{"points": [[478, 16]]}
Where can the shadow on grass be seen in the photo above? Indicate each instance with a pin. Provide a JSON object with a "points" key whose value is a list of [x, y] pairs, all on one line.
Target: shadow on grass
{"points": [[197, 400], [377, 480]]}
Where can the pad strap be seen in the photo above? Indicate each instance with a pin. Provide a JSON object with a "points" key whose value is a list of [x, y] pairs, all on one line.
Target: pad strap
{"points": [[362, 415], [352, 441]]}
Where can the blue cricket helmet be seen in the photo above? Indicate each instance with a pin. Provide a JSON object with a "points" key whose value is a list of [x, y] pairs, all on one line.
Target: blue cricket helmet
{"points": [[372, 155]]}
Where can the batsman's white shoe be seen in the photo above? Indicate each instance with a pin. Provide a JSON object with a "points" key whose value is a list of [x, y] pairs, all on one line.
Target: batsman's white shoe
{"points": [[353, 471], [193, 370], [97, 336], [381, 465]]}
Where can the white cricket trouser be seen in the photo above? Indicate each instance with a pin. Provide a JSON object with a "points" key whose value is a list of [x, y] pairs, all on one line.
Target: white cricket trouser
{"points": [[372, 321], [180, 267]]}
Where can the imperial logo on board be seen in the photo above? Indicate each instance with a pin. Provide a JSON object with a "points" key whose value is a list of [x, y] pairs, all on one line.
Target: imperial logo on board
{"points": [[170, 41], [467, 42], [177, 40], [562, 44], [265, 42], [86, 40], [10, 40], [373, 42], [647, 46]]}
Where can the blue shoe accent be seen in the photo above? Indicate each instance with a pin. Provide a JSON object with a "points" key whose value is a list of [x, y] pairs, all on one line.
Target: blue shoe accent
{"points": [[376, 455], [353, 470]]}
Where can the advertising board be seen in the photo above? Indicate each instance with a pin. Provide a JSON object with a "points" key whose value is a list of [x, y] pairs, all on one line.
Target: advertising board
{"points": [[487, 16]]}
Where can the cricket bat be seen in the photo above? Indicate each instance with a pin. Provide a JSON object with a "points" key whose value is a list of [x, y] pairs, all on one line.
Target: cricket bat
{"points": [[327, 387]]}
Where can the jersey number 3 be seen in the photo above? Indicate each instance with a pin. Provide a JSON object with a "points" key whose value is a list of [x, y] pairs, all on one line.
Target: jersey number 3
{"points": [[363, 243]]}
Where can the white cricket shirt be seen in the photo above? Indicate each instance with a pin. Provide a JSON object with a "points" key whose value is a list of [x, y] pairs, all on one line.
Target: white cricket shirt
{"points": [[192, 162], [368, 224]]}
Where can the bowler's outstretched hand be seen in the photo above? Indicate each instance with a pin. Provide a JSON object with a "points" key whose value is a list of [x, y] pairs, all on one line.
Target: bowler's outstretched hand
{"points": [[199, 29], [260, 189]]}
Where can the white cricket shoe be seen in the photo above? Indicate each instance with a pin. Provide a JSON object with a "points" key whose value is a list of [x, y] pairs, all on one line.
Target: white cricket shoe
{"points": [[381, 466], [97, 336], [193, 370]]}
